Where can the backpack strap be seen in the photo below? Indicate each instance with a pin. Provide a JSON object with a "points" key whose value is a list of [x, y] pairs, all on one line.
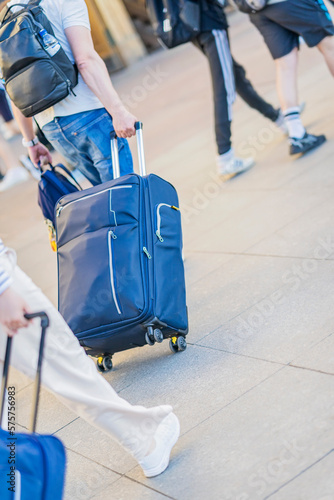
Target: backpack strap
{"points": [[6, 10], [52, 180], [66, 170], [60, 167]]}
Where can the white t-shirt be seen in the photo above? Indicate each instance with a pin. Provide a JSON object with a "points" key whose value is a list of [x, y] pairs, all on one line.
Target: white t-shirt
{"points": [[63, 14]]}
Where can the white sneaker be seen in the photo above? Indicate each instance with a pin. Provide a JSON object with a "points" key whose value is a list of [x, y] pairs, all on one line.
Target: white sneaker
{"points": [[14, 176], [165, 438], [28, 164], [233, 166]]}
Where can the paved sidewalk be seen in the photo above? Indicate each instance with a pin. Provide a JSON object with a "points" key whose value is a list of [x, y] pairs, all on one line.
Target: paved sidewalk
{"points": [[254, 390]]}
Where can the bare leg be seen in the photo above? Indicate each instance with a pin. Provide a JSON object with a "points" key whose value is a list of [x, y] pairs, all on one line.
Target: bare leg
{"points": [[286, 80], [326, 47]]}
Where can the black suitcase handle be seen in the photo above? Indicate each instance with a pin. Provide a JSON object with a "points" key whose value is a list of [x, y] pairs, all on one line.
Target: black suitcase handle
{"points": [[44, 325]]}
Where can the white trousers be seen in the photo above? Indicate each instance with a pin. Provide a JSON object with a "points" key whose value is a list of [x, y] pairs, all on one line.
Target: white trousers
{"points": [[72, 376]]}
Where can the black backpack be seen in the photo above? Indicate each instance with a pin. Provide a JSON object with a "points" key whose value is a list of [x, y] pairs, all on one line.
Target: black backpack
{"points": [[174, 21], [34, 79], [250, 6]]}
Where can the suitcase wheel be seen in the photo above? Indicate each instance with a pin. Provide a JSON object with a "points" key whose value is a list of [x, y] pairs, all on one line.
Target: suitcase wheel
{"points": [[152, 336], [149, 338], [104, 364], [177, 344], [158, 335]]}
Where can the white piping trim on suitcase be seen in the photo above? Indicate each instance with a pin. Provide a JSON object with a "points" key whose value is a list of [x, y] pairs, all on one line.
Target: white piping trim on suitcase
{"points": [[159, 219], [111, 210], [111, 270], [90, 196], [110, 200]]}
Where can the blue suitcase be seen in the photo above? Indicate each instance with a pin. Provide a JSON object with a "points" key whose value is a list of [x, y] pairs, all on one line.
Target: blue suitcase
{"points": [[32, 466], [120, 268]]}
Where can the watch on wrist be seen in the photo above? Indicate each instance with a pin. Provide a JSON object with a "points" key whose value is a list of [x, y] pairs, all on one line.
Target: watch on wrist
{"points": [[29, 144]]}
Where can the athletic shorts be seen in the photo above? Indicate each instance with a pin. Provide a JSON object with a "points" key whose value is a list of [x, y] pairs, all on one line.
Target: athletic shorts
{"points": [[282, 24]]}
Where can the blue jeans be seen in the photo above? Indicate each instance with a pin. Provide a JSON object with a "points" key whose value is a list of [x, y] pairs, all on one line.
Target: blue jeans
{"points": [[84, 140]]}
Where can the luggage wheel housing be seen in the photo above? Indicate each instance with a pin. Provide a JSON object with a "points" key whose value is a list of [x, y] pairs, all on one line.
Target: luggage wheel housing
{"points": [[176, 343]]}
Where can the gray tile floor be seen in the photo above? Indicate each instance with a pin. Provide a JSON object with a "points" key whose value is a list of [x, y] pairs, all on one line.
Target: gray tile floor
{"points": [[254, 390]]}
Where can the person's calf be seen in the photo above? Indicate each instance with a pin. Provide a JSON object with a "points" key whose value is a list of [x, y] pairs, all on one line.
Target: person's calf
{"points": [[326, 47], [286, 79]]}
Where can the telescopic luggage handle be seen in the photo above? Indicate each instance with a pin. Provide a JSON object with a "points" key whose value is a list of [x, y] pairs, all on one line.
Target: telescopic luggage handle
{"points": [[140, 148], [44, 325]]}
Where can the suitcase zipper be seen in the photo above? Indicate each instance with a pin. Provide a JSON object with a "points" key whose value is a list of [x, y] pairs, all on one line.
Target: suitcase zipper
{"points": [[147, 253], [111, 236], [159, 218], [59, 209]]}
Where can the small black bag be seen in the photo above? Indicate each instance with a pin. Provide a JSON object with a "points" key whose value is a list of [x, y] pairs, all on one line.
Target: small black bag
{"points": [[174, 21], [34, 79], [251, 6]]}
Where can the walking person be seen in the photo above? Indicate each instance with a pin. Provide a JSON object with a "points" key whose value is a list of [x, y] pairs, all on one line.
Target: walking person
{"points": [[9, 126], [149, 434], [14, 174], [228, 78], [79, 126], [282, 23]]}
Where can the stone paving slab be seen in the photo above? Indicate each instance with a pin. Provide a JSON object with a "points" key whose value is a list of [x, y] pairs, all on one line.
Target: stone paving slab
{"points": [[249, 225], [198, 265], [18, 379], [196, 383], [266, 437], [88, 479], [315, 482], [278, 327], [126, 488], [199, 383], [242, 283], [319, 357], [52, 415], [307, 236], [95, 446]]}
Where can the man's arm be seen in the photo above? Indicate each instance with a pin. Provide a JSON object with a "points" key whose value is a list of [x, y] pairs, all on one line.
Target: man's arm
{"points": [[95, 74], [38, 152]]}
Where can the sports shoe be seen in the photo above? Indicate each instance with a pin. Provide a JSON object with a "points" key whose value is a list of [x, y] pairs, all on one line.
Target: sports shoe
{"points": [[28, 164], [306, 143], [13, 176], [234, 166], [165, 438]]}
